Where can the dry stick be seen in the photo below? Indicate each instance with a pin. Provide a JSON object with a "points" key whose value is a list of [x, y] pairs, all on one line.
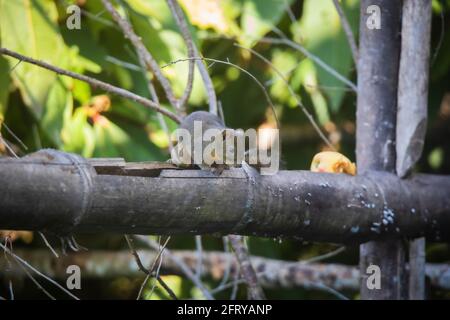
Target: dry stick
{"points": [[182, 25], [95, 83], [48, 244], [314, 58], [10, 149], [147, 272], [308, 284], [236, 281], [323, 256], [441, 39], [199, 247], [158, 257], [226, 275], [291, 91], [289, 11], [254, 288], [23, 262], [266, 95], [38, 285], [178, 261], [150, 62], [157, 273], [348, 32], [13, 134], [11, 290]]}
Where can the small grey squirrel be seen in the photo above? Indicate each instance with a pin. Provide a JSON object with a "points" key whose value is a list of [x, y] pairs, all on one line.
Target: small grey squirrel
{"points": [[231, 151], [207, 121]]}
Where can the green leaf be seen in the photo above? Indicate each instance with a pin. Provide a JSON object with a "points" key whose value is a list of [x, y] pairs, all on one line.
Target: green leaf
{"points": [[30, 28], [321, 33], [77, 134], [259, 17], [127, 141], [306, 75], [285, 62], [59, 98]]}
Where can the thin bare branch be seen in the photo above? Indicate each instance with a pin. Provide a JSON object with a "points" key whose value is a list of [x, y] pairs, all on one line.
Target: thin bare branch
{"points": [[147, 272], [95, 83], [266, 94], [313, 57], [11, 290], [48, 244], [181, 22], [26, 264], [348, 31], [3, 124], [248, 273], [323, 256], [193, 52], [199, 249], [154, 96], [142, 51], [292, 92], [180, 263], [8, 147], [38, 285]]}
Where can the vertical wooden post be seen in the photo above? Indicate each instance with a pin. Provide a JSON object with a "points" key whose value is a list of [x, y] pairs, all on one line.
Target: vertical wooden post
{"points": [[376, 116], [412, 114]]}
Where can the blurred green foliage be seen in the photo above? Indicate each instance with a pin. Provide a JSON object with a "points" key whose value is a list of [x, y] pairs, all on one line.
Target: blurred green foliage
{"points": [[46, 110]]}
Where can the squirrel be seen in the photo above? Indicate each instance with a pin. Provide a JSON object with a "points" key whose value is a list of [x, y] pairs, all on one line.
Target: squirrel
{"points": [[198, 127], [203, 139]]}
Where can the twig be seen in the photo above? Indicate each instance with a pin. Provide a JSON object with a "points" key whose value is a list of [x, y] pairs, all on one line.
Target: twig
{"points": [[95, 83], [3, 124], [226, 274], [178, 261], [48, 244], [266, 94], [11, 290], [289, 11], [157, 275], [323, 256], [143, 285], [311, 56], [10, 149], [143, 269], [236, 283], [154, 96], [124, 64], [37, 271], [182, 25], [291, 91], [38, 285], [158, 257], [150, 62], [441, 39], [348, 32], [248, 273], [179, 18], [199, 247]]}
